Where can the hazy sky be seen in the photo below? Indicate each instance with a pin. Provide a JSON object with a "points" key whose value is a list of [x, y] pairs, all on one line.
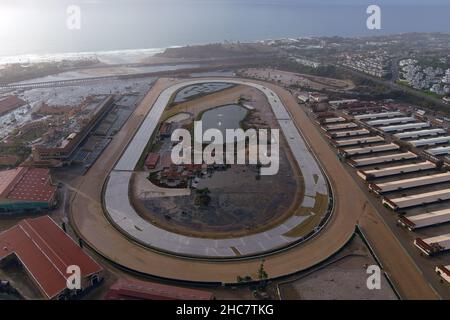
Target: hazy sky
{"points": [[39, 26]]}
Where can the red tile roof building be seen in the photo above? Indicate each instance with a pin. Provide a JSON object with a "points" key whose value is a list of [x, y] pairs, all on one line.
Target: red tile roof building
{"points": [[8, 161], [140, 290], [25, 188], [10, 103], [45, 251]]}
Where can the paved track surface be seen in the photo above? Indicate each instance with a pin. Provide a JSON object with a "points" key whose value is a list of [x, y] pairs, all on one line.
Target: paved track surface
{"points": [[351, 206]]}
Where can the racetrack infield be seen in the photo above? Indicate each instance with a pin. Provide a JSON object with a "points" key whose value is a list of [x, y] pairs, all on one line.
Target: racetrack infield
{"points": [[91, 224]]}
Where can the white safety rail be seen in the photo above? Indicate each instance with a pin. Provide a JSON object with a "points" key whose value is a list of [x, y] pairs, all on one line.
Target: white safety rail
{"points": [[433, 245], [391, 171], [409, 183], [417, 199], [371, 116], [390, 121], [382, 159], [404, 127], [430, 141], [419, 133], [356, 141], [425, 219], [371, 149]]}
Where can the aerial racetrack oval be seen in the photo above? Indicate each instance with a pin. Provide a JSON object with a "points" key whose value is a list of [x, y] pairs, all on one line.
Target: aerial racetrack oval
{"points": [[123, 216]]}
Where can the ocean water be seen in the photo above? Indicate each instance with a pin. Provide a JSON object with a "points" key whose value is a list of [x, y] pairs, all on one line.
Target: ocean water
{"points": [[30, 27]]}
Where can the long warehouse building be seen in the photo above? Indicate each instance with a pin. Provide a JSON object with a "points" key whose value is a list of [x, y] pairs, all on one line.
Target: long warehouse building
{"points": [[382, 159], [371, 149], [371, 116], [390, 121], [438, 151], [430, 141], [425, 219], [404, 127], [433, 245], [420, 133], [392, 171], [398, 185], [444, 272], [340, 126], [417, 199], [356, 141], [350, 133]]}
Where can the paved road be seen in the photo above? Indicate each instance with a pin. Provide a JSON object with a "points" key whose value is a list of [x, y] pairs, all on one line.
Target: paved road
{"points": [[92, 225]]}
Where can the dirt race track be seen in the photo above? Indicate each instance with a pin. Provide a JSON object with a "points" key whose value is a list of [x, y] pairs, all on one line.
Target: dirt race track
{"points": [[351, 207]]}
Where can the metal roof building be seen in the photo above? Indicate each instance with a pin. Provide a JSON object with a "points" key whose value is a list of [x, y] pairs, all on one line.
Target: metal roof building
{"points": [[356, 141], [425, 219], [370, 116], [409, 183], [420, 133], [334, 120], [45, 251], [391, 171], [390, 121], [433, 245], [417, 199], [350, 133], [444, 272], [404, 127], [430, 141], [371, 149], [128, 289], [382, 159], [340, 126], [438, 151]]}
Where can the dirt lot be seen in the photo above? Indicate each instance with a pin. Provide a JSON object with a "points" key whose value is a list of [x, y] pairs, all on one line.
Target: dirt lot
{"points": [[343, 277]]}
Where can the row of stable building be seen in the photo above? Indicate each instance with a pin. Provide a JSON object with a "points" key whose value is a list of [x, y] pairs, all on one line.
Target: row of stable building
{"points": [[359, 139]]}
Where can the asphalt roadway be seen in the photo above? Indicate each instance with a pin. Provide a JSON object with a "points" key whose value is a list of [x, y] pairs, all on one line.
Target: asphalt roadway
{"points": [[351, 207]]}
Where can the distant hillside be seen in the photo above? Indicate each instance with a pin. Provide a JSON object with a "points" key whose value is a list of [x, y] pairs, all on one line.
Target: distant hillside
{"points": [[217, 50]]}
